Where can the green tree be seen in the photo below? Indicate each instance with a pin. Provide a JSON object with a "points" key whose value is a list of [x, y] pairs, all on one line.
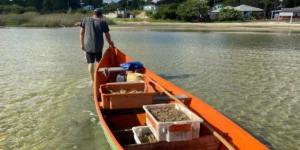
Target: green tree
{"points": [[266, 3], [47, 5], [4, 2], [149, 2], [69, 11], [74, 3], [161, 2], [95, 3], [231, 2], [291, 3], [18, 2], [110, 7], [230, 15], [38, 4], [122, 4], [211, 3], [192, 9], [137, 4], [60, 4], [166, 11]]}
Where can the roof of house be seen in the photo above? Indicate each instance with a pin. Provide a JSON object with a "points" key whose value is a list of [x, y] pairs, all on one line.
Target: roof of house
{"points": [[247, 8], [296, 9], [241, 8]]}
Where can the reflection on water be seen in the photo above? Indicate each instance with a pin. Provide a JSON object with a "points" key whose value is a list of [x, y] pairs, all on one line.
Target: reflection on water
{"points": [[46, 100]]}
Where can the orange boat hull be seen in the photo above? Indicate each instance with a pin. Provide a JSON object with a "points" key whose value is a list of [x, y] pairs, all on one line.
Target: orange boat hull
{"points": [[237, 136]]}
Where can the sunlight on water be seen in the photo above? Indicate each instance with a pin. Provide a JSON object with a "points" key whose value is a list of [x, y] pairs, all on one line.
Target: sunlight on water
{"points": [[46, 100]]}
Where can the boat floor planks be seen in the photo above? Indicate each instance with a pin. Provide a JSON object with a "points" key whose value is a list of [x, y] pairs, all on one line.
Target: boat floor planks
{"points": [[208, 142]]}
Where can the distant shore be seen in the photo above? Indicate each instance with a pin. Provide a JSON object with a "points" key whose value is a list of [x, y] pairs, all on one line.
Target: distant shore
{"points": [[262, 26], [247, 26]]}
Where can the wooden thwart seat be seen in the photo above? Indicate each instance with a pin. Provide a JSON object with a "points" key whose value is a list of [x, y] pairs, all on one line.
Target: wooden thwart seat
{"points": [[115, 69], [112, 69], [164, 98]]}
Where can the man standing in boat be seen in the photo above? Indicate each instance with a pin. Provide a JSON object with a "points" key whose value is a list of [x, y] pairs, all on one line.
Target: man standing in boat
{"points": [[91, 39]]}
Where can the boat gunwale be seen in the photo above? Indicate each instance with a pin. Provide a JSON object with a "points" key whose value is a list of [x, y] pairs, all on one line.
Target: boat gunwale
{"points": [[239, 132]]}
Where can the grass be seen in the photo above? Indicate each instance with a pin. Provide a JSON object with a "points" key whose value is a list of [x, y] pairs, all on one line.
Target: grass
{"points": [[128, 19], [165, 21], [33, 19], [145, 20]]}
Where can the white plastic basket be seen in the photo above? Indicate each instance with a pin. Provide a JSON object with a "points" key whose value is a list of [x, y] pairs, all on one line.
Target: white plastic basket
{"points": [[173, 131], [138, 131]]}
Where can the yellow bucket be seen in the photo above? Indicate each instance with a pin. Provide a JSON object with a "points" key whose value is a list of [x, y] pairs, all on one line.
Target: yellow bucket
{"points": [[135, 77]]}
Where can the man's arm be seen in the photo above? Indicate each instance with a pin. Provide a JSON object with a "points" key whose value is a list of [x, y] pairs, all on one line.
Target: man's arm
{"points": [[110, 42], [82, 38]]}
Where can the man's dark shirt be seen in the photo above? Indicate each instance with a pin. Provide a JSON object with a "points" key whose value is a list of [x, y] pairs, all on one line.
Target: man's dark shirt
{"points": [[93, 36]]}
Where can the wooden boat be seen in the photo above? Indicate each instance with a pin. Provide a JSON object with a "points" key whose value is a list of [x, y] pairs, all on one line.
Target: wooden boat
{"points": [[117, 123]]}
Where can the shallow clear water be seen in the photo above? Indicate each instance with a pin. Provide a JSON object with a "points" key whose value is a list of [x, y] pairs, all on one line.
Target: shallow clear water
{"points": [[46, 101]]}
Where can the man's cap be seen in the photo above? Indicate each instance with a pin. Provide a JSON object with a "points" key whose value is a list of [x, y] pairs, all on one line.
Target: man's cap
{"points": [[98, 10]]}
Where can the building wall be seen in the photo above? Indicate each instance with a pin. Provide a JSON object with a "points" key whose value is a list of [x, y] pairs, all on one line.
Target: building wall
{"points": [[89, 7], [149, 7]]}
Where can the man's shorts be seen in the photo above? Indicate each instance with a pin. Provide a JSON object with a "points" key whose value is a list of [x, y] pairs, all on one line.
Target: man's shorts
{"points": [[91, 57]]}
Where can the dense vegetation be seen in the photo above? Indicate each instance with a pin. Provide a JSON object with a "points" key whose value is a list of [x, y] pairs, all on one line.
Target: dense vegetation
{"points": [[230, 15], [34, 19], [34, 12], [46, 6]]}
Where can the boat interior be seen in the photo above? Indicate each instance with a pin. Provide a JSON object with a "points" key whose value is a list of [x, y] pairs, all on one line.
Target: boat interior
{"points": [[121, 121]]}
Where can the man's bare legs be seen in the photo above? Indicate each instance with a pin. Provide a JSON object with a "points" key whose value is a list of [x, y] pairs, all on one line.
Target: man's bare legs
{"points": [[91, 71]]}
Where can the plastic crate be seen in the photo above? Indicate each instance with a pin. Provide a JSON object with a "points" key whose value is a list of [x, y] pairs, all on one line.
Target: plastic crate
{"points": [[139, 131], [173, 131], [126, 100]]}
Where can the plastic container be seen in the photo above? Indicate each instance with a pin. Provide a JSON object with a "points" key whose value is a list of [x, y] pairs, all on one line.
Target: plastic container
{"points": [[173, 131], [140, 131], [126, 100], [121, 77], [135, 77]]}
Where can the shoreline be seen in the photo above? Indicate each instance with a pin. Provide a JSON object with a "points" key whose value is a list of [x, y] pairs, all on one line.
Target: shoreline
{"points": [[246, 26], [251, 26]]}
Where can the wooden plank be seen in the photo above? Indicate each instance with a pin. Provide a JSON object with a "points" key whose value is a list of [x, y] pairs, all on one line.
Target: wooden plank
{"points": [[117, 69], [208, 142], [112, 69], [112, 83]]}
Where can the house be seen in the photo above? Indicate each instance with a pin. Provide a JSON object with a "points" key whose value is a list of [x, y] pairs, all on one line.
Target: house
{"points": [[290, 13], [150, 7], [88, 7], [244, 9]]}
